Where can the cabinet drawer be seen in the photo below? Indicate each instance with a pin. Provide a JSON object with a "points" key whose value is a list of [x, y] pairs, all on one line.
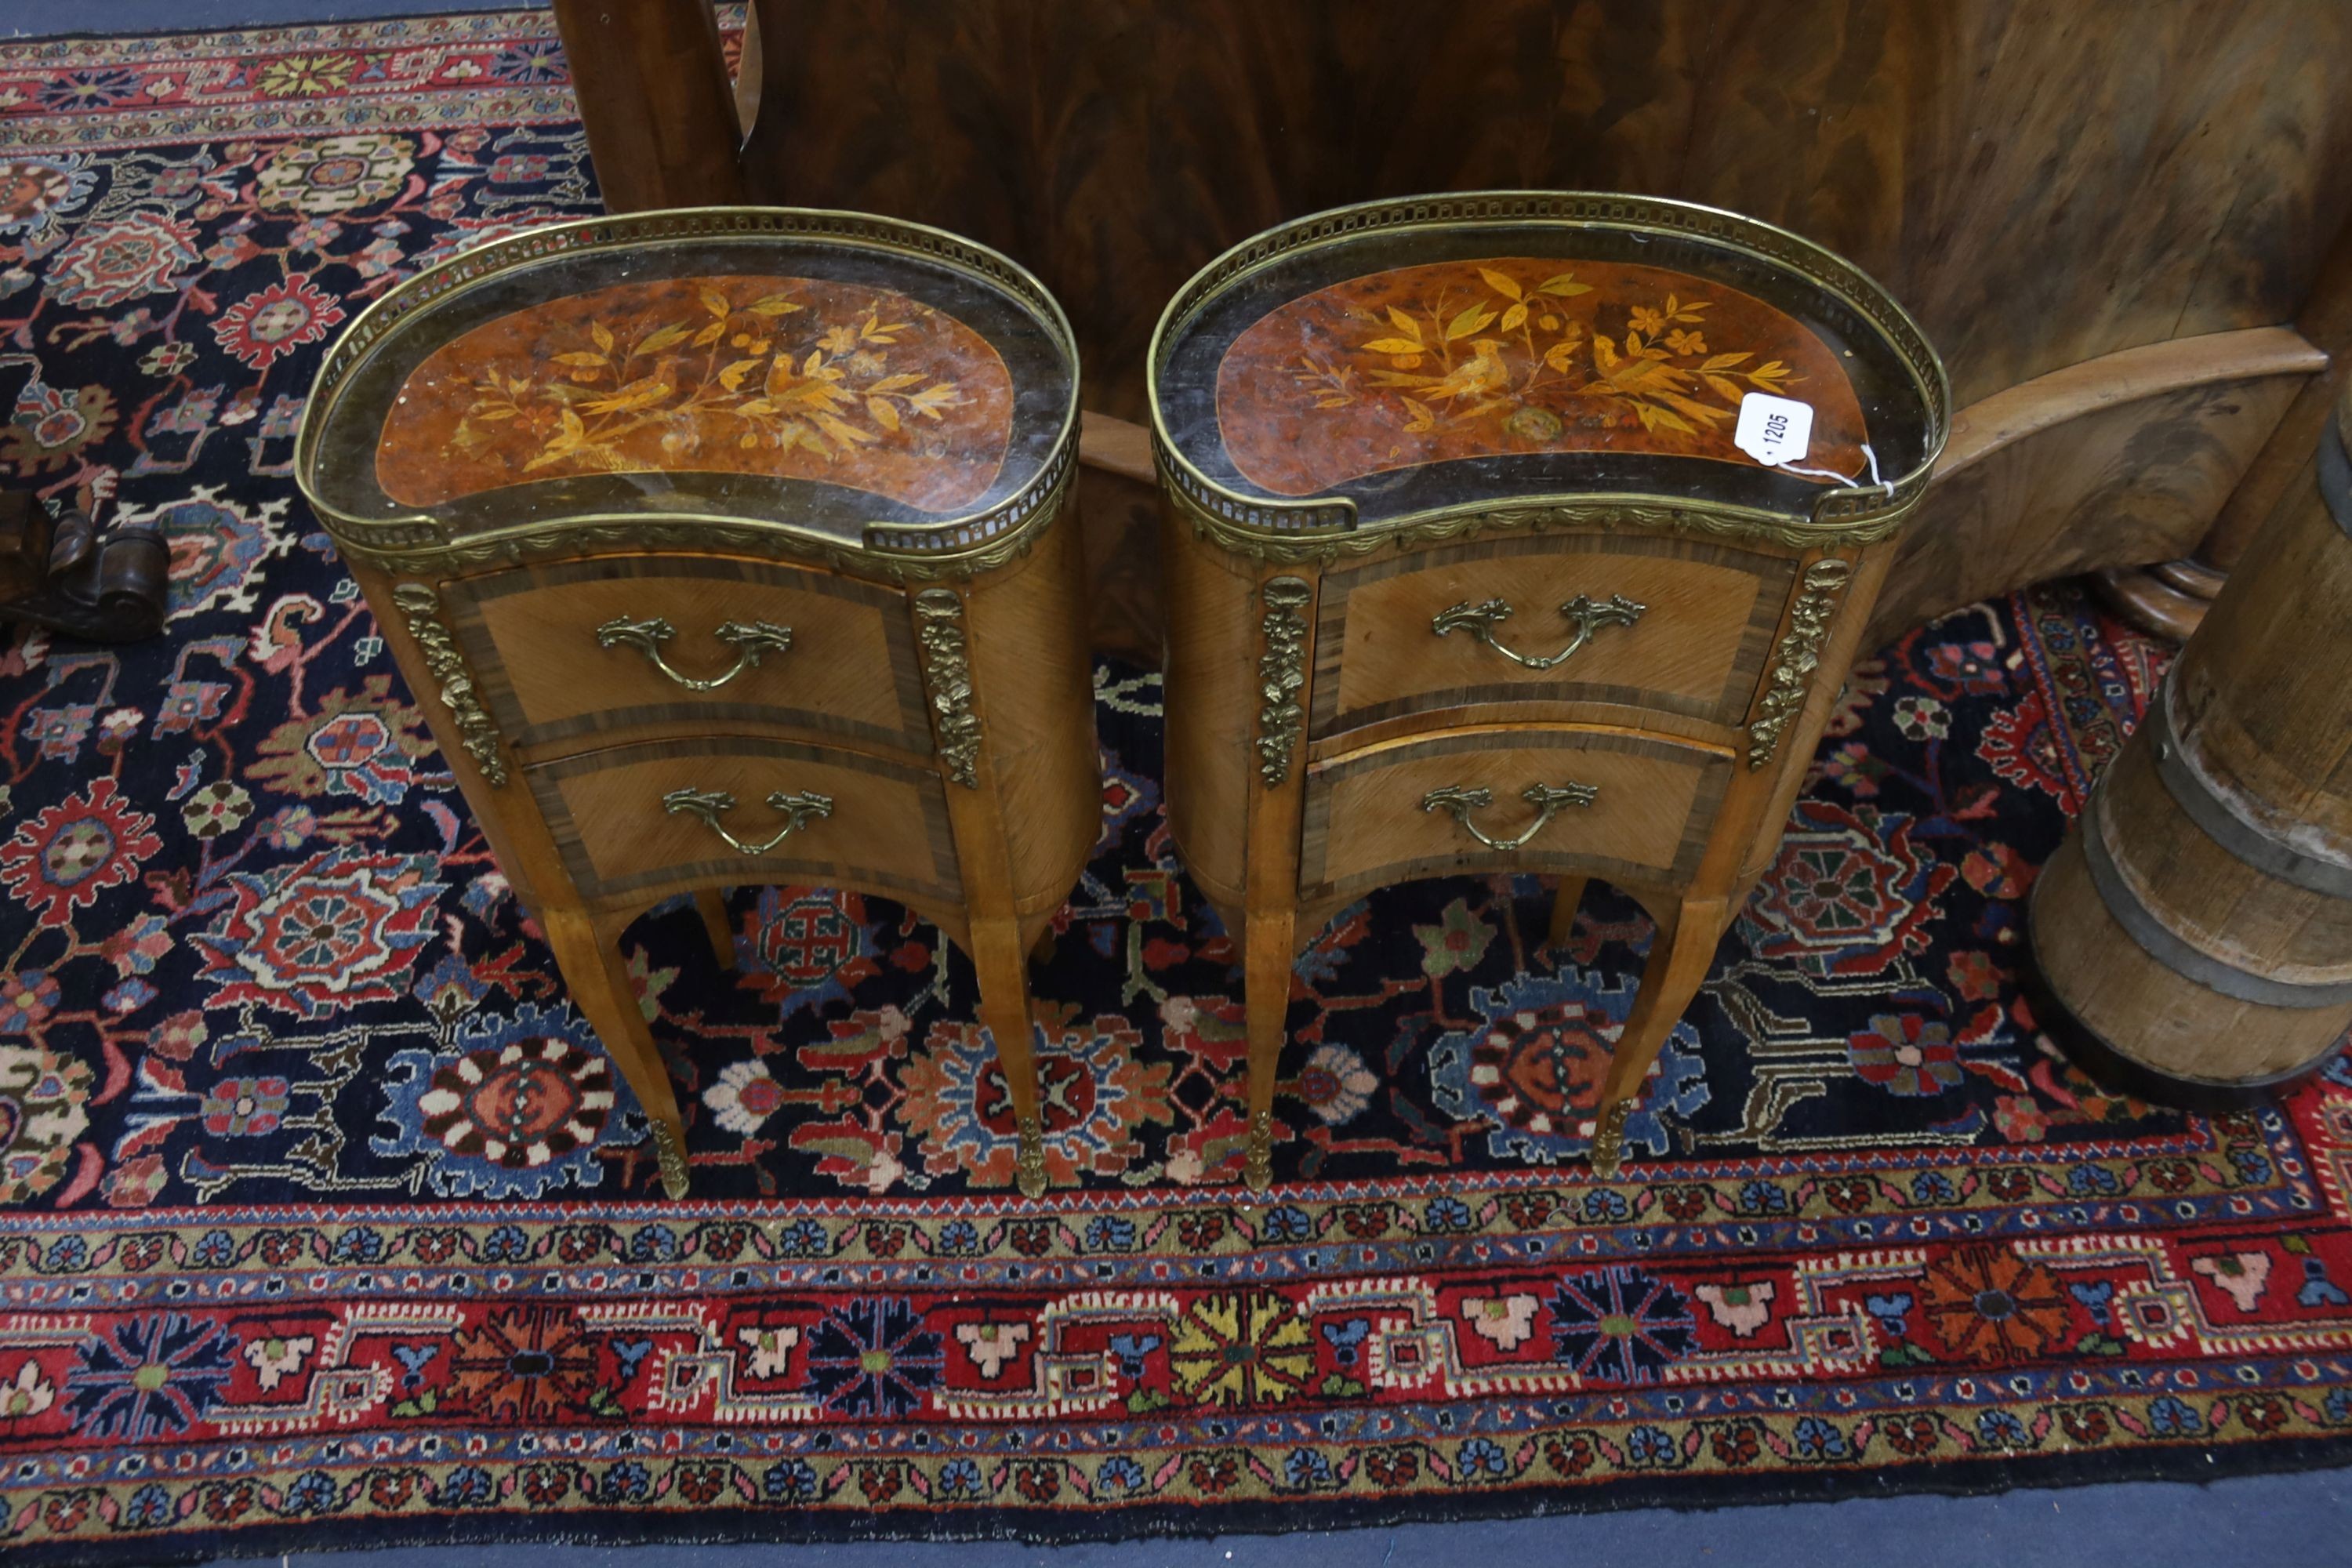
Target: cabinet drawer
{"points": [[616, 820], [553, 683], [1670, 624], [1397, 812]]}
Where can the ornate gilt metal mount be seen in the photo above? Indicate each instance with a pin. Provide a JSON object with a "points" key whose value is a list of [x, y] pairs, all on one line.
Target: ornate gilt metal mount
{"points": [[1029, 1164], [1484, 520], [1461, 800], [947, 661], [799, 811], [646, 637], [1257, 1167], [1609, 1140], [1480, 621], [420, 605], [671, 1158], [1799, 655], [1281, 675]]}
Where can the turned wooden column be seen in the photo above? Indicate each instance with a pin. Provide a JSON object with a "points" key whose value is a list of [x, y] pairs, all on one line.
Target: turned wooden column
{"points": [[2193, 935]]}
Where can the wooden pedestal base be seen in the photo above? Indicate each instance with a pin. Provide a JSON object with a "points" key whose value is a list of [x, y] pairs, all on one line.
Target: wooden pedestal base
{"points": [[2168, 600]]}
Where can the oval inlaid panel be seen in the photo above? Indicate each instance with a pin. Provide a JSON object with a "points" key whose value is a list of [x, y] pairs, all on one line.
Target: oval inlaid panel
{"points": [[1515, 355], [794, 377]]}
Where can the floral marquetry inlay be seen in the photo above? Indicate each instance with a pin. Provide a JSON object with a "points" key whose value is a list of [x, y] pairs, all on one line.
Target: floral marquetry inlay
{"points": [[1515, 355], [790, 377]]}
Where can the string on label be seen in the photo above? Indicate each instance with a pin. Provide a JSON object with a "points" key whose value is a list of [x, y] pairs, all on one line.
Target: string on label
{"points": [[1868, 456]]}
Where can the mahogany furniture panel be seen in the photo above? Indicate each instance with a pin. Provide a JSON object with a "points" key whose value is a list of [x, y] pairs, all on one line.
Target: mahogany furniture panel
{"points": [[2003, 168]]}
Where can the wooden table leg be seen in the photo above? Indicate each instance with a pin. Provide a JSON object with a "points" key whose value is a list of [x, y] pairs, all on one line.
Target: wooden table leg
{"points": [[998, 954], [1266, 993], [1563, 910], [588, 954], [1679, 956], [717, 924]]}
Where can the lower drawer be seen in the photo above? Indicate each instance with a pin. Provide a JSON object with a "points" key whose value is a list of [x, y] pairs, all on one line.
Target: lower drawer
{"points": [[1585, 802], [642, 820]]}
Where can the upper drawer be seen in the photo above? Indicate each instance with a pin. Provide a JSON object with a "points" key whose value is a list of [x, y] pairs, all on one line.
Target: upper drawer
{"points": [[1589, 802], [569, 651], [622, 822], [1678, 625]]}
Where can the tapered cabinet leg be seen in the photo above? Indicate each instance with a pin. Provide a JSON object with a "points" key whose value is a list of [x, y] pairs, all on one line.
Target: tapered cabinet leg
{"points": [[1679, 957], [1563, 910], [711, 903], [1266, 999], [588, 953], [998, 954]]}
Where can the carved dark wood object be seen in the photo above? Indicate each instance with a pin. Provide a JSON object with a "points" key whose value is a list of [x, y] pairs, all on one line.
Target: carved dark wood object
{"points": [[2113, 219]]}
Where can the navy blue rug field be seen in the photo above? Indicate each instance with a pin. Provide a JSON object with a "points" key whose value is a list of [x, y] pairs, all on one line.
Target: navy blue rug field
{"points": [[259, 1290]]}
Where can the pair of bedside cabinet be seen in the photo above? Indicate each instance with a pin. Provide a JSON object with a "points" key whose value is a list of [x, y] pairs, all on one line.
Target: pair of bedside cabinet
{"points": [[729, 546]]}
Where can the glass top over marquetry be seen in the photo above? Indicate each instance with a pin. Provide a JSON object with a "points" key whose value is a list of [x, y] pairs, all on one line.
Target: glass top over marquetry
{"points": [[840, 377], [1391, 361]]}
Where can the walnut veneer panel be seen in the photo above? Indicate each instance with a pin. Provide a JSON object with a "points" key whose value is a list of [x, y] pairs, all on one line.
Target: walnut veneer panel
{"points": [[2041, 184]]}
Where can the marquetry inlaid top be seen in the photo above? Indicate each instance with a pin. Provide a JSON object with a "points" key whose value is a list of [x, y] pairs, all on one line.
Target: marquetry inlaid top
{"points": [[1424, 355], [806, 378], [1511, 356], [849, 378]]}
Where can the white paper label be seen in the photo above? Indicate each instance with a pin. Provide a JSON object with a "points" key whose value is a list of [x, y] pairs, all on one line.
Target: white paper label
{"points": [[1774, 430]]}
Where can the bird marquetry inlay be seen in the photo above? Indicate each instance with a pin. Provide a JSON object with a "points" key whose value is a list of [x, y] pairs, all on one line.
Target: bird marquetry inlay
{"points": [[1512, 355], [793, 377]]}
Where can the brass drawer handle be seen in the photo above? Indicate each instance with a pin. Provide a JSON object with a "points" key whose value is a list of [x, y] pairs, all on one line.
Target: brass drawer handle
{"points": [[1462, 801], [706, 804], [1480, 621], [646, 637]]}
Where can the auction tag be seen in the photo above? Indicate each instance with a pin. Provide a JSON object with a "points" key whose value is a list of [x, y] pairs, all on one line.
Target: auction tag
{"points": [[1773, 430]]}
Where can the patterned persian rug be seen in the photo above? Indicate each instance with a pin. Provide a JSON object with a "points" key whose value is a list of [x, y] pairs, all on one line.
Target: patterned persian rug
{"points": [[259, 1290]]}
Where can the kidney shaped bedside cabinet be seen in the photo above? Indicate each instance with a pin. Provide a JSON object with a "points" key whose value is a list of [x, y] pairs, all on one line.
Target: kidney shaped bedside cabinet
{"points": [[1473, 565], [723, 547]]}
